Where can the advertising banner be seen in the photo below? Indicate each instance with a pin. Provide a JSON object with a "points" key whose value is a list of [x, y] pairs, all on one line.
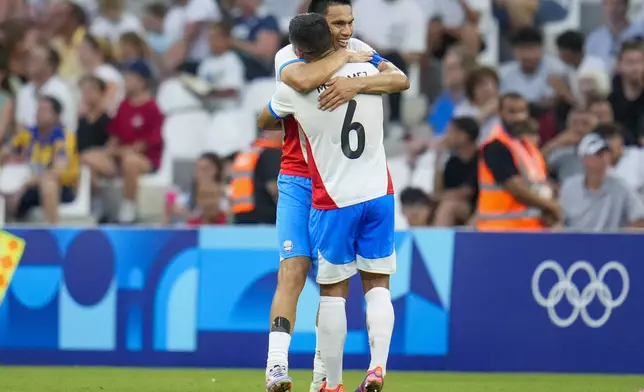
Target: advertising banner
{"points": [[547, 302], [200, 298]]}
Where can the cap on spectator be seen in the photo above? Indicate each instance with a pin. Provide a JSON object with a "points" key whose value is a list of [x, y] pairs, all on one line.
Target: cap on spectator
{"points": [[592, 144], [138, 67]]}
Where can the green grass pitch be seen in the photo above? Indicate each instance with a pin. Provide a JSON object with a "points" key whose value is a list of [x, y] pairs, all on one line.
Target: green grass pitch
{"points": [[85, 379]]}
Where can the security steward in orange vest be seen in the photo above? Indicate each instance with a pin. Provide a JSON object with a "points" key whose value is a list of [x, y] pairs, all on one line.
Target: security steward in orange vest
{"points": [[512, 174], [254, 184]]}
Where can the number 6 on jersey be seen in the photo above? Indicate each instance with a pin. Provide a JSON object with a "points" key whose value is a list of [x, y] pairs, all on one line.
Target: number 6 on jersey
{"points": [[349, 126]]}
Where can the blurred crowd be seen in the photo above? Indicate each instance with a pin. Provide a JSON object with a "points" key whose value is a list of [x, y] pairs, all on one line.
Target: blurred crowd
{"points": [[81, 106]]}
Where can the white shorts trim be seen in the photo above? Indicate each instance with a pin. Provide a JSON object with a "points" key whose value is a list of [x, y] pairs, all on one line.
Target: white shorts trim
{"points": [[329, 273], [383, 265]]}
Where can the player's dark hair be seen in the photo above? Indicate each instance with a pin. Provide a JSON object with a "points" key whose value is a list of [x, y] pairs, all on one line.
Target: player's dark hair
{"points": [[310, 33], [571, 40], [527, 36], [56, 106], [469, 125], [322, 6]]}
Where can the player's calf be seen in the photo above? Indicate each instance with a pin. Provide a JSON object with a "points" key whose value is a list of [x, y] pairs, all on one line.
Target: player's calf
{"points": [[380, 326], [290, 282], [332, 330]]}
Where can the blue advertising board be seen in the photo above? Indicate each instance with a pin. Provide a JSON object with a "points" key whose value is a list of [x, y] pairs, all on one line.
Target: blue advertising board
{"points": [[547, 302], [200, 298], [463, 301]]}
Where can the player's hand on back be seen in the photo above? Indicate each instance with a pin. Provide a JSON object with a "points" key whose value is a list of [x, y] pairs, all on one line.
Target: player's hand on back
{"points": [[339, 90]]}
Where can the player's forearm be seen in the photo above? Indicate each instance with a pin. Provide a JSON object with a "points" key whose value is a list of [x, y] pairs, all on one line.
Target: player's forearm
{"points": [[304, 77], [388, 82]]}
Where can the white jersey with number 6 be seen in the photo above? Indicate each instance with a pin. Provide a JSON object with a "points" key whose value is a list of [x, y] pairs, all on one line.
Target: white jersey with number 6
{"points": [[345, 151]]}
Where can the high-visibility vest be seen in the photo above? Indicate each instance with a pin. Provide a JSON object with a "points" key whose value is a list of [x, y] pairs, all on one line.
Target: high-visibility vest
{"points": [[497, 208], [242, 197]]}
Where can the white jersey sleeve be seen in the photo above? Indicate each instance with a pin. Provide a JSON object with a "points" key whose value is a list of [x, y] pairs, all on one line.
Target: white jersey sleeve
{"points": [[358, 46], [281, 104], [283, 58]]}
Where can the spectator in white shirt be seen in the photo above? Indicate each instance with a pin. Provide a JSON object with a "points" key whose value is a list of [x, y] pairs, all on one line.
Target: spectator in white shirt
{"points": [[482, 92], [44, 81], [153, 22], [529, 75], [223, 70], [187, 23], [397, 30], [570, 46], [113, 21], [96, 58]]}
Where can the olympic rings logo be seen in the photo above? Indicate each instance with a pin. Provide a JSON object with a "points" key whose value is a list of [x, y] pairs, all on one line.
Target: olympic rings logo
{"points": [[579, 300]]}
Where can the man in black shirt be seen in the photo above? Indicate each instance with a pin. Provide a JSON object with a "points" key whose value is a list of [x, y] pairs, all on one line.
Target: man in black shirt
{"points": [[457, 184], [265, 184], [513, 110], [627, 98]]}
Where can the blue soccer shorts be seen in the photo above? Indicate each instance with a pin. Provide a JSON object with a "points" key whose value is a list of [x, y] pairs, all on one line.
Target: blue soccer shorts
{"points": [[354, 238], [293, 210]]}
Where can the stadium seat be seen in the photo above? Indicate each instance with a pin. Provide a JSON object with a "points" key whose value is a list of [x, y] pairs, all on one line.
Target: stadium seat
{"points": [[13, 176], [152, 189], [257, 94], [489, 28], [184, 134], [173, 97], [572, 22], [231, 131]]}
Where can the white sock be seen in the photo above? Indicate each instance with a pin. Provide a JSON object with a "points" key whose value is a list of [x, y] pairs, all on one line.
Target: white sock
{"points": [[278, 344], [380, 324], [319, 372], [127, 211], [332, 330]]}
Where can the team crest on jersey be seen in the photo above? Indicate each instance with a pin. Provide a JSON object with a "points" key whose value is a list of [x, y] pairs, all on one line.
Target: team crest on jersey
{"points": [[288, 246]]}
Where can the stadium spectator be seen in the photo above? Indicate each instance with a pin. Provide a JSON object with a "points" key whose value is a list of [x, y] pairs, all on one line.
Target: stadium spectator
{"points": [[256, 38], [512, 174], [605, 41], [209, 169], [51, 153], [69, 23], [561, 152], [7, 104], [135, 145], [529, 75], [96, 55], [44, 80], [417, 207], [208, 203], [598, 200], [570, 46], [401, 38], [456, 185], [456, 65], [627, 97], [454, 22], [133, 47], [627, 162], [187, 25], [592, 80], [223, 70], [113, 21], [92, 135], [18, 37], [601, 108], [153, 18], [254, 185], [482, 93]]}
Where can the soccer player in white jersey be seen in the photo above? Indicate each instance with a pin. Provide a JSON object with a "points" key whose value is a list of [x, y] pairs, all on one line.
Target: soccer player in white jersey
{"points": [[294, 183], [352, 220]]}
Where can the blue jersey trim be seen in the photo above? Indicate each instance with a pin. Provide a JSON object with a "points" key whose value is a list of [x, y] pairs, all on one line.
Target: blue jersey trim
{"points": [[275, 115], [291, 62]]}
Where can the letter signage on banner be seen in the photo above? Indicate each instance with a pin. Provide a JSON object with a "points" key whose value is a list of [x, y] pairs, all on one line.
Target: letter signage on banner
{"points": [[539, 302]]}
